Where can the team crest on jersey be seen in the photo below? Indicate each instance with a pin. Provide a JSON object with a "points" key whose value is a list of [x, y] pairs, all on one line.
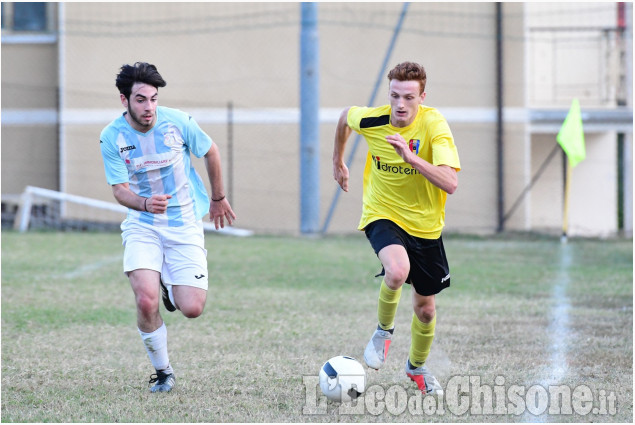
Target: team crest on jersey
{"points": [[414, 145], [172, 140]]}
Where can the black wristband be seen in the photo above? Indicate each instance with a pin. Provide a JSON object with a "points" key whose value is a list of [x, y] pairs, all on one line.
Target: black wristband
{"points": [[219, 199], [145, 206]]}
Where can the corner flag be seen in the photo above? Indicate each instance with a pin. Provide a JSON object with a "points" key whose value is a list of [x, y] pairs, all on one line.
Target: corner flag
{"points": [[571, 135]]}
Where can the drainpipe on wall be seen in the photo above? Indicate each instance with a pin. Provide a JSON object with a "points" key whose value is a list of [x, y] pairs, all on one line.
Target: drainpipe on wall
{"points": [[309, 120], [61, 95], [625, 21], [499, 115]]}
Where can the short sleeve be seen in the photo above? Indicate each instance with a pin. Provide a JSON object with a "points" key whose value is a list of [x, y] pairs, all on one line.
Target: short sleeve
{"points": [[197, 140], [444, 151], [116, 170], [354, 117]]}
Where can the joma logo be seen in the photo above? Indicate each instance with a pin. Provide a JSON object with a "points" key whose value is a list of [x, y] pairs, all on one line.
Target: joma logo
{"points": [[127, 148]]}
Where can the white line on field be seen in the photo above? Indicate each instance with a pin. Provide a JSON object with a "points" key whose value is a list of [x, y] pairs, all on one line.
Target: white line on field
{"points": [[89, 268], [558, 329]]}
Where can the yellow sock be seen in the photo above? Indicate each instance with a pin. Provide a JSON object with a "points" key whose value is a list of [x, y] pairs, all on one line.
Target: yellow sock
{"points": [[422, 335], [387, 306]]}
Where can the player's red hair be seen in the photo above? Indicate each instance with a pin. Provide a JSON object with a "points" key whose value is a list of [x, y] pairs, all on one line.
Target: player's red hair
{"points": [[409, 71]]}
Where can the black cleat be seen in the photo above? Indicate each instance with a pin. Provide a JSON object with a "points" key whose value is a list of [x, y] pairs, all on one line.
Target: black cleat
{"points": [[166, 298], [163, 382]]}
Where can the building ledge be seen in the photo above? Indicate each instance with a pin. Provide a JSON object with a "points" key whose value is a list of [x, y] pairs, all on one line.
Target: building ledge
{"points": [[594, 120]]}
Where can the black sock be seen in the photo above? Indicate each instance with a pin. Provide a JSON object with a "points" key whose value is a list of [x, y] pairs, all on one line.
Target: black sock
{"points": [[379, 328]]}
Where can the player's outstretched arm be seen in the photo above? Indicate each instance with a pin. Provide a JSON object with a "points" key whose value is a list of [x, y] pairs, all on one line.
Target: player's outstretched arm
{"points": [[219, 208], [342, 133]]}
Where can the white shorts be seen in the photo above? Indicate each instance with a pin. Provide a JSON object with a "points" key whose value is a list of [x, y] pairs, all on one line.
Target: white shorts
{"points": [[178, 253]]}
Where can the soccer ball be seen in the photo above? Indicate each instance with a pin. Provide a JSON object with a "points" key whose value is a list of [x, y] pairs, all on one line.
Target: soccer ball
{"points": [[342, 379]]}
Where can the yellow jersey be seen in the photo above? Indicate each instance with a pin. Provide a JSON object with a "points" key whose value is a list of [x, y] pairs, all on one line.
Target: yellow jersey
{"points": [[393, 189]]}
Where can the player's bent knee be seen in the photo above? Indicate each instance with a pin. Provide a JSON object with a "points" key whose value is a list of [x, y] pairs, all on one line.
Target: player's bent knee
{"points": [[396, 276], [190, 300], [192, 311]]}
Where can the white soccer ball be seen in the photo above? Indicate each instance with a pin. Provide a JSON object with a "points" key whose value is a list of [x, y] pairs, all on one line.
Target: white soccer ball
{"points": [[342, 379]]}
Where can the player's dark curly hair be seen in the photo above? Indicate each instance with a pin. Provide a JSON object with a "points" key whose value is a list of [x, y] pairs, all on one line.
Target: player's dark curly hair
{"points": [[140, 72], [409, 71]]}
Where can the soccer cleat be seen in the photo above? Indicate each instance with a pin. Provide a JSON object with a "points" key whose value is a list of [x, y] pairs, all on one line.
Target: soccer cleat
{"points": [[421, 376], [166, 297], [377, 348], [163, 382]]}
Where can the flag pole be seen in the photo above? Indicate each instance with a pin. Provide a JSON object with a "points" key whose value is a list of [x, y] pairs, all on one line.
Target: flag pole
{"points": [[565, 210]]}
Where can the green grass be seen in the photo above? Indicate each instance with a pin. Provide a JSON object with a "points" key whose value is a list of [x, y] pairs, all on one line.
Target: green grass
{"points": [[279, 307]]}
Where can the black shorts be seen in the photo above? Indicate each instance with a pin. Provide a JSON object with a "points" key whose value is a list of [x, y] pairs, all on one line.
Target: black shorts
{"points": [[429, 270]]}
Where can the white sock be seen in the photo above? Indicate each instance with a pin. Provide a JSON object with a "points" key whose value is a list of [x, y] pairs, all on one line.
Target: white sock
{"points": [[156, 344]]}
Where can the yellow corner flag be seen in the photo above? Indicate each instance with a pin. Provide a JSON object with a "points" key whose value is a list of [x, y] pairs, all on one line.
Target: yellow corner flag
{"points": [[571, 135]]}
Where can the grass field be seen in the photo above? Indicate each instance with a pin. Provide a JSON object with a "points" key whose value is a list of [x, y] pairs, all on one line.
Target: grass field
{"points": [[522, 314]]}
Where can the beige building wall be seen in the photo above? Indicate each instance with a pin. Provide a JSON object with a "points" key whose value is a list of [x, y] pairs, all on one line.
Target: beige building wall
{"points": [[258, 69], [29, 93], [212, 54], [516, 173]]}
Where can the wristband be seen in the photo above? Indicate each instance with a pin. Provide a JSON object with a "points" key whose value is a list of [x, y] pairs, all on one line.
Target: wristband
{"points": [[219, 199], [145, 206]]}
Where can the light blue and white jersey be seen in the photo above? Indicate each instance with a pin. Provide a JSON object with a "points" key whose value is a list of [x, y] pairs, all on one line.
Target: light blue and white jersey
{"points": [[158, 162]]}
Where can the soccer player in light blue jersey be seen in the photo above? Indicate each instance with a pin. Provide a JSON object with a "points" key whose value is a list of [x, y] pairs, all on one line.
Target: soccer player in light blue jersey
{"points": [[146, 153]]}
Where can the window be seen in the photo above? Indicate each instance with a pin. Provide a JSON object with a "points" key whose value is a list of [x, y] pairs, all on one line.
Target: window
{"points": [[27, 17]]}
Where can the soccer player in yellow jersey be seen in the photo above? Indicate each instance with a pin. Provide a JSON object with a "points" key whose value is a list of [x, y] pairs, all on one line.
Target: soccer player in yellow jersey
{"points": [[411, 167]]}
